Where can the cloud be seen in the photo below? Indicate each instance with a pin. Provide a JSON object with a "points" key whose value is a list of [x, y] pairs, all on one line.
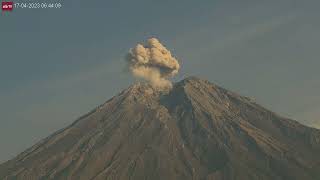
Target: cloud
{"points": [[153, 62]]}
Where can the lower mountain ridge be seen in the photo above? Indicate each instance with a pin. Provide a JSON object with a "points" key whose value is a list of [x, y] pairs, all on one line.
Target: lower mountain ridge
{"points": [[197, 130]]}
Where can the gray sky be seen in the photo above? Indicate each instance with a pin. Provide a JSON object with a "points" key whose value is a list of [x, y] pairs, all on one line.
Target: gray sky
{"points": [[56, 65]]}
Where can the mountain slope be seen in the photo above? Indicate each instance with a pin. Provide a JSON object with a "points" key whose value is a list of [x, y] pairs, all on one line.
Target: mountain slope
{"points": [[196, 131]]}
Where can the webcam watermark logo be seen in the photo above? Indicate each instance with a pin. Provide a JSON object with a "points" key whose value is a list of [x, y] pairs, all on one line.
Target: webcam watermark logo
{"points": [[7, 6]]}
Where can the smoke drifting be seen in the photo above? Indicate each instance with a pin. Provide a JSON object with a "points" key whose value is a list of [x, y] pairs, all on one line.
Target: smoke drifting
{"points": [[153, 62]]}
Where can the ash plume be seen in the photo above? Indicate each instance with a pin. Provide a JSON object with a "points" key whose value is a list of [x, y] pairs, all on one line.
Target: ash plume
{"points": [[153, 62]]}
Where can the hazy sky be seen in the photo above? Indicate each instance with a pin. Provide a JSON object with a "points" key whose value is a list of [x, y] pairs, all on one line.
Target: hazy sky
{"points": [[56, 65]]}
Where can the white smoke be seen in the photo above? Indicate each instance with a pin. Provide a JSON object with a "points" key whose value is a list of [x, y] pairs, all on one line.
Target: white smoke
{"points": [[154, 63]]}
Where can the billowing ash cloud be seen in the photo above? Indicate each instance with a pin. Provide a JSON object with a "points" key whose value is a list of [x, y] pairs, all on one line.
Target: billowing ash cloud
{"points": [[154, 63]]}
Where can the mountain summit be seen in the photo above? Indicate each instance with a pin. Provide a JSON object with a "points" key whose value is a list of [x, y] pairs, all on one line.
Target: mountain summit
{"points": [[197, 130]]}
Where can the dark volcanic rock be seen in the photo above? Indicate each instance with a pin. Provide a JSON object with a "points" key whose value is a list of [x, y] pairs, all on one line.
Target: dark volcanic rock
{"points": [[196, 131]]}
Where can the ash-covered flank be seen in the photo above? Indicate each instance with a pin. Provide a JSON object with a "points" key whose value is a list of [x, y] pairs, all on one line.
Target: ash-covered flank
{"points": [[197, 130]]}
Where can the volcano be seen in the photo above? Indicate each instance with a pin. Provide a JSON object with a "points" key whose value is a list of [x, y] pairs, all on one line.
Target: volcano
{"points": [[197, 130]]}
